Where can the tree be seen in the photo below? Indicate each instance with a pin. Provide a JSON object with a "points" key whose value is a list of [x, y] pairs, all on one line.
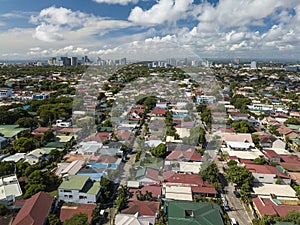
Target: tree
{"points": [[6, 168], [48, 136], [95, 216], [260, 160], [197, 136], [292, 121], [24, 144], [3, 210], [33, 189], [210, 173], [240, 101], [77, 219], [292, 216], [232, 163], [243, 126], [107, 187], [239, 175], [159, 151], [27, 122], [53, 219]]}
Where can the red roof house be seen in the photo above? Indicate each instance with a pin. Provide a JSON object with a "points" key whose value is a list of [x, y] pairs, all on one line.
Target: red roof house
{"points": [[35, 210], [267, 206], [68, 210], [144, 208], [189, 155]]}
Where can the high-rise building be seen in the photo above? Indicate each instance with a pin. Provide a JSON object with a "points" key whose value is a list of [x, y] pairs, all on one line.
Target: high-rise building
{"points": [[253, 65], [123, 61], [74, 61]]}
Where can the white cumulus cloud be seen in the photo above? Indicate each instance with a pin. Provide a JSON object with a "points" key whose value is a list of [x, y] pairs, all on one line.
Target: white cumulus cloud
{"points": [[163, 11], [121, 2]]}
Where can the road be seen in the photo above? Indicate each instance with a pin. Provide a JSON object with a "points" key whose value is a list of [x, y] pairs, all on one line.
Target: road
{"points": [[237, 209]]}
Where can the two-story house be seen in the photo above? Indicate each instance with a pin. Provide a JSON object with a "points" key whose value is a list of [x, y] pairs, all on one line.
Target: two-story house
{"points": [[79, 189]]}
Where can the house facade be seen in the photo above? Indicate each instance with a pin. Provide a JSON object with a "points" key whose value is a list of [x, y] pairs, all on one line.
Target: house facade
{"points": [[79, 189]]}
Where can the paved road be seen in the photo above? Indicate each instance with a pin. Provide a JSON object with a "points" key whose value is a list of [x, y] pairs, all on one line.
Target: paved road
{"points": [[237, 209]]}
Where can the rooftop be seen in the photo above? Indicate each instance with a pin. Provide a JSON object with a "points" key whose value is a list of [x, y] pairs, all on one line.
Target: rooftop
{"points": [[74, 182]]}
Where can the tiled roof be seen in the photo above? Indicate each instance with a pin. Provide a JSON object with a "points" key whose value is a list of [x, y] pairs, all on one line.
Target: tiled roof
{"points": [[69, 209], [35, 210], [239, 137], [265, 169], [193, 179], [154, 189], [266, 206], [271, 154], [188, 155], [145, 208], [159, 111]]}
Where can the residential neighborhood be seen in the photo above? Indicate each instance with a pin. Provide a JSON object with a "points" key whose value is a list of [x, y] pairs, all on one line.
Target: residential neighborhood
{"points": [[145, 144]]}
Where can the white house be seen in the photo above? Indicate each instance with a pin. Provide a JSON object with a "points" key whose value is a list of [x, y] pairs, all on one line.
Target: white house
{"points": [[9, 189], [79, 189]]}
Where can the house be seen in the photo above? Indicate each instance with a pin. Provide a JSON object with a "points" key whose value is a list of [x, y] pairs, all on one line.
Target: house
{"points": [[196, 213], [272, 156], [272, 207], [154, 189], [70, 209], [39, 132], [287, 132], [158, 112], [11, 132], [187, 183], [236, 116], [3, 143], [295, 177], [186, 156], [282, 192], [147, 175], [267, 174], [144, 208], [35, 210], [72, 168], [79, 189], [238, 141], [266, 140], [136, 219], [10, 189]]}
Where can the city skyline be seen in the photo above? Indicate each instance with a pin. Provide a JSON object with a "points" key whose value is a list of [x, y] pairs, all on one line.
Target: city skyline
{"points": [[148, 30]]}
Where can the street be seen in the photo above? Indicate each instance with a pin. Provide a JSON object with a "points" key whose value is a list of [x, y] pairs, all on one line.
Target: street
{"points": [[237, 209]]}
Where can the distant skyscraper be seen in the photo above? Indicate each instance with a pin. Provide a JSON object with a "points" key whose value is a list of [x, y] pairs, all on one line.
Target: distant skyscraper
{"points": [[123, 61], [253, 65], [66, 61], [74, 61], [236, 61]]}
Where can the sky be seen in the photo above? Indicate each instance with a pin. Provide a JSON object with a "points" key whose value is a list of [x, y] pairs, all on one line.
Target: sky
{"points": [[150, 29]]}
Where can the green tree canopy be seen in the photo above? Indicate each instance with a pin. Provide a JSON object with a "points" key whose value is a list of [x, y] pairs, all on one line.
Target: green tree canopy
{"points": [[77, 219], [243, 126], [27, 122], [159, 151]]}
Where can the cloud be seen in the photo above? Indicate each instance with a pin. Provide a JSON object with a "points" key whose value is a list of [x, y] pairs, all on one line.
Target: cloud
{"points": [[163, 11], [121, 2], [57, 24]]}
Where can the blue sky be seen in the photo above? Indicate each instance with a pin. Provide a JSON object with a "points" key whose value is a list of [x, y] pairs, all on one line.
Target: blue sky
{"points": [[148, 29]]}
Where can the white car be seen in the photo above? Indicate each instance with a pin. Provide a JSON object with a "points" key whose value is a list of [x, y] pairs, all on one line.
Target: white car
{"points": [[233, 221]]}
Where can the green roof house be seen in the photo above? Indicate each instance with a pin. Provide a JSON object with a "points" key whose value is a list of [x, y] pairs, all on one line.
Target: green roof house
{"points": [[194, 213], [79, 189]]}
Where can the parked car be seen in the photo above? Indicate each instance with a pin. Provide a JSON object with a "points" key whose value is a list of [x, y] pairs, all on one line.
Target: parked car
{"points": [[236, 193], [233, 221]]}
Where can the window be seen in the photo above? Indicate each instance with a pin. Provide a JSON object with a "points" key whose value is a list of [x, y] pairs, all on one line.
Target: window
{"points": [[189, 213], [82, 197]]}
